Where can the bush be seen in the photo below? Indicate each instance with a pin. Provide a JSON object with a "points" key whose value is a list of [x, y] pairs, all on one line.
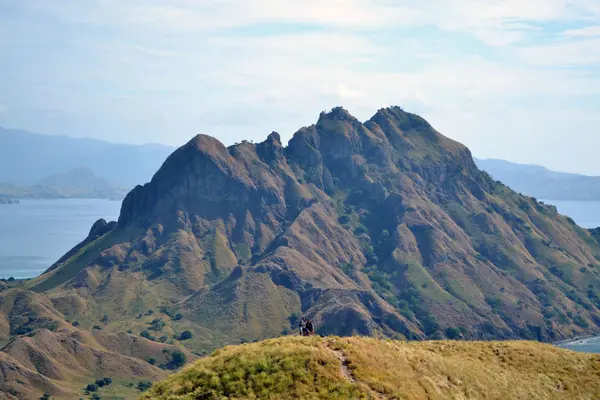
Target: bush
{"points": [[452, 333], [152, 361], [185, 335], [178, 359], [107, 381], [97, 327], [75, 323], [177, 317], [144, 385], [95, 396], [100, 383], [147, 335], [46, 396], [157, 324], [92, 387]]}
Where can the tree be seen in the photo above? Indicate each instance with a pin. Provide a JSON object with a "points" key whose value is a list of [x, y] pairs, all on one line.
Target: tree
{"points": [[178, 359], [152, 361], [108, 381], [92, 387], [185, 335], [144, 385], [100, 382], [46, 396], [453, 333]]}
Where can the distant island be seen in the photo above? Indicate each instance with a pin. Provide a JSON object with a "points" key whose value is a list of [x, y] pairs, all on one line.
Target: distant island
{"points": [[80, 182], [27, 158], [542, 183], [4, 200]]}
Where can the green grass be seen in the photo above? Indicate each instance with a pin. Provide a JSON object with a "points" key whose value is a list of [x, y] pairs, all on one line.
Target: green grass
{"points": [[336, 368]]}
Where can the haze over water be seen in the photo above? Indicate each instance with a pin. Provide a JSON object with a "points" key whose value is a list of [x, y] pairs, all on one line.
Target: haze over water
{"points": [[36, 233]]}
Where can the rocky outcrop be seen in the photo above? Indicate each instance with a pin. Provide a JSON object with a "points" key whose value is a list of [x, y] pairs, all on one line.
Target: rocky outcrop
{"points": [[383, 228]]}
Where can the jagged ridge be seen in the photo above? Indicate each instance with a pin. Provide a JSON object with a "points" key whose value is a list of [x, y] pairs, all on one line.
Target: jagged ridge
{"points": [[380, 228]]}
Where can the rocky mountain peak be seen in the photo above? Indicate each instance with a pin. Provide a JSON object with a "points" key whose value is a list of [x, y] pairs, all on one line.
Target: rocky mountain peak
{"points": [[384, 227]]}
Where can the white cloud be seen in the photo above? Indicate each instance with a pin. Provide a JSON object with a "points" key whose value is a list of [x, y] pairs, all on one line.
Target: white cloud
{"points": [[587, 31], [346, 93], [571, 53]]}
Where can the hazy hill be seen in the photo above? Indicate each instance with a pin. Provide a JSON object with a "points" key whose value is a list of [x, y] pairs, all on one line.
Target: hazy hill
{"points": [[542, 183], [78, 183], [383, 228], [26, 158], [362, 368]]}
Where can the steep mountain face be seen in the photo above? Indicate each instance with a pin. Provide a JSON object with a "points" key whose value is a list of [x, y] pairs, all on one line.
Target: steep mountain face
{"points": [[383, 228]]}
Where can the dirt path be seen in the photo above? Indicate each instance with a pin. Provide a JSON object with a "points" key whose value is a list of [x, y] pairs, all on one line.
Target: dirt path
{"points": [[346, 373], [345, 370]]}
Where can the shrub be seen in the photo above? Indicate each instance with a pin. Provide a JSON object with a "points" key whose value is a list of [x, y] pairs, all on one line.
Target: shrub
{"points": [[97, 327], [92, 387], [46, 396], [147, 335], [75, 323], [107, 381], [144, 385], [178, 359], [185, 335], [177, 317], [452, 333], [152, 361], [100, 383], [157, 324]]}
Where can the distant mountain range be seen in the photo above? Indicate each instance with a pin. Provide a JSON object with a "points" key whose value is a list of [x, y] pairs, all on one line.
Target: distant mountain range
{"points": [[542, 183], [27, 158], [78, 183]]}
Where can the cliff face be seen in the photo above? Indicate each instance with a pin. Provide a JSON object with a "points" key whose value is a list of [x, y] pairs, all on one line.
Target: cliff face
{"points": [[382, 228]]}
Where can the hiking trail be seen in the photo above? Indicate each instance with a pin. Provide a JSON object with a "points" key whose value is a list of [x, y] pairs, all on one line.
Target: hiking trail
{"points": [[345, 369]]}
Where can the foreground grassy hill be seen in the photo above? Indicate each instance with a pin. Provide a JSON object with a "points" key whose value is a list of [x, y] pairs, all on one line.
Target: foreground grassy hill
{"points": [[336, 368]]}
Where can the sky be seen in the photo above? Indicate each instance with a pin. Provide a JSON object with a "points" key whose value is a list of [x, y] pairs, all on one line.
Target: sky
{"points": [[511, 79]]}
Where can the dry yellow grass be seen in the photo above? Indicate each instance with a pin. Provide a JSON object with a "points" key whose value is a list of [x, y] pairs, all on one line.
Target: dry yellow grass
{"points": [[334, 368]]}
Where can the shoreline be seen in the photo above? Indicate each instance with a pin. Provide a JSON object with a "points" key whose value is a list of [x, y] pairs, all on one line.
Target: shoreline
{"points": [[572, 340]]}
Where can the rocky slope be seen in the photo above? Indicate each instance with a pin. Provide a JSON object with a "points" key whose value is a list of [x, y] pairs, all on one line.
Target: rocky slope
{"points": [[43, 353], [382, 228], [362, 368]]}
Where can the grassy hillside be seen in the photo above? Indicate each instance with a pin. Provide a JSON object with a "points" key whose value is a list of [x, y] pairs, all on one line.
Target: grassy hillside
{"points": [[336, 368], [384, 228]]}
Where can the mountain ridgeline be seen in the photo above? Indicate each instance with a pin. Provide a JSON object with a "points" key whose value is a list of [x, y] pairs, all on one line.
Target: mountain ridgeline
{"points": [[384, 228]]}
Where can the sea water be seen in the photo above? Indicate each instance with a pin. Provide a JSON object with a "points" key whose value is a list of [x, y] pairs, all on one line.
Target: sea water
{"points": [[36, 233]]}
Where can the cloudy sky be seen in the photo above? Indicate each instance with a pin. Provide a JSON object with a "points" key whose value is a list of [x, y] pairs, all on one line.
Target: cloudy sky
{"points": [[512, 79]]}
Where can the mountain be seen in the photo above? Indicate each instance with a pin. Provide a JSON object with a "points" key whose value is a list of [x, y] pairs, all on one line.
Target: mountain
{"points": [[363, 368], [26, 158], [78, 183], [384, 228], [542, 183]]}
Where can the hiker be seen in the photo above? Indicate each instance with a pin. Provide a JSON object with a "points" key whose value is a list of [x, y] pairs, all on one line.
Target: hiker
{"points": [[302, 326], [310, 330]]}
